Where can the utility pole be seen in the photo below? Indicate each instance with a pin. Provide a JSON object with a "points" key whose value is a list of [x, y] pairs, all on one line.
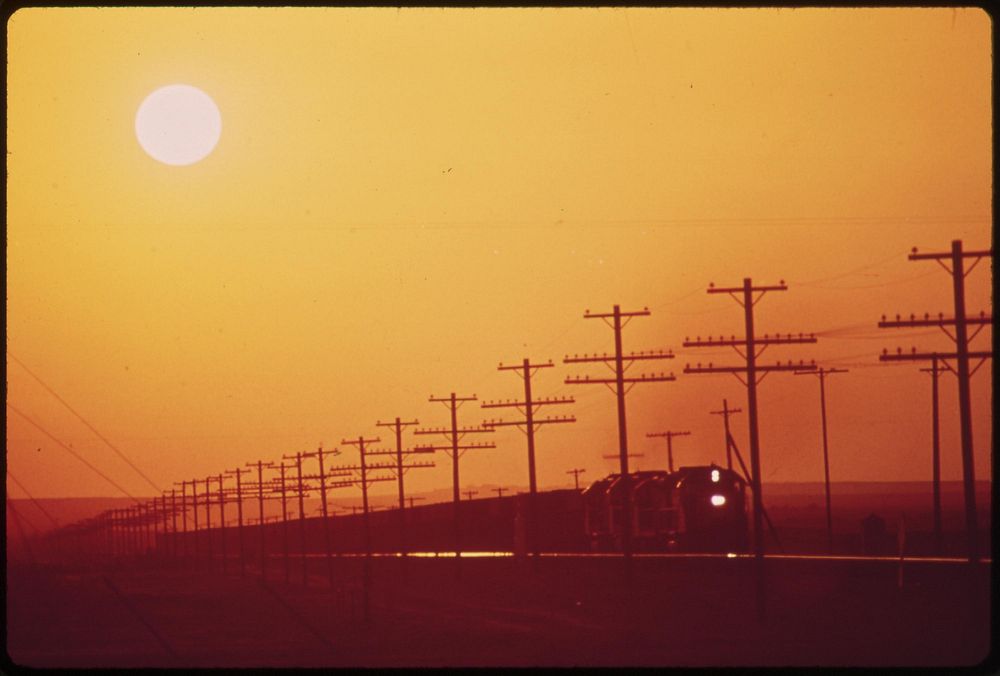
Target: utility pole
{"points": [[194, 511], [397, 426], [750, 347], [935, 372], [184, 521], [284, 523], [208, 521], [725, 413], [222, 520], [363, 467], [320, 454], [173, 518], [621, 361], [823, 372], [454, 434], [239, 516], [302, 516], [413, 499], [260, 465], [576, 476], [961, 356], [669, 436], [468, 494], [529, 408], [499, 491]]}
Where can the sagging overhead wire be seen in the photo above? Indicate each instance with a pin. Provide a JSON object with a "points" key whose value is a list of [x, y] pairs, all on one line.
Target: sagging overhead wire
{"points": [[84, 421], [73, 453]]}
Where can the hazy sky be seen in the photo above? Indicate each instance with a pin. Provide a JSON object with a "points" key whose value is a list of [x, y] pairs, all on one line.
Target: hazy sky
{"points": [[401, 199]]}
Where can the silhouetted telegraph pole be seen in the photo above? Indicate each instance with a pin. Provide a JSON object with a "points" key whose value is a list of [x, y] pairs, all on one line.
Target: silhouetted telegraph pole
{"points": [[222, 519], [725, 413], [239, 517], [397, 426], [300, 489], [320, 454], [499, 491], [260, 465], [362, 467], [529, 408], [962, 355], [576, 476], [184, 520], [468, 494], [823, 372], [454, 434], [669, 436], [208, 523], [935, 372], [750, 347], [173, 518], [284, 522], [414, 499], [619, 320]]}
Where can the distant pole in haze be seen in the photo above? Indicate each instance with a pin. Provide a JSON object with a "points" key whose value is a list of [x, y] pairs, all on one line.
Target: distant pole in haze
{"points": [[468, 494], [208, 522], [454, 435], [935, 372], [529, 408], [320, 454], [413, 499], [239, 517], [725, 413], [823, 372], [173, 517], [300, 490], [194, 511], [576, 476], [260, 465], [222, 520], [499, 491], [669, 436], [397, 426], [184, 519], [750, 347], [619, 320], [961, 356]]}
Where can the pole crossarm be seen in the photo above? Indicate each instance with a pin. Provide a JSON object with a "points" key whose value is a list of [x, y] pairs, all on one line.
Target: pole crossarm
{"points": [[642, 378], [913, 355], [666, 435], [916, 256], [518, 423], [766, 339], [915, 321], [789, 366], [461, 447], [605, 357], [587, 314], [446, 431], [544, 401]]}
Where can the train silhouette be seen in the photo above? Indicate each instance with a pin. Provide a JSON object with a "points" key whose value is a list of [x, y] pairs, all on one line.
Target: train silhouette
{"points": [[696, 509]]}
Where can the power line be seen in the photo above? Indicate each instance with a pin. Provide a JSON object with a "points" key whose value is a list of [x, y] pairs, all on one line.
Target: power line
{"points": [[74, 453], [33, 500], [84, 421]]}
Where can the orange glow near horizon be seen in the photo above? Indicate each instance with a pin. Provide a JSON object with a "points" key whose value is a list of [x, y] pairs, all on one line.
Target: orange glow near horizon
{"points": [[403, 198]]}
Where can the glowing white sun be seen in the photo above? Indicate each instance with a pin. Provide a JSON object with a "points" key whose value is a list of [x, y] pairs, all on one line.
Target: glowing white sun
{"points": [[178, 124]]}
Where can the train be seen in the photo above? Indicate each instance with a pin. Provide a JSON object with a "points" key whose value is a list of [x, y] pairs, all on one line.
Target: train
{"points": [[693, 509]]}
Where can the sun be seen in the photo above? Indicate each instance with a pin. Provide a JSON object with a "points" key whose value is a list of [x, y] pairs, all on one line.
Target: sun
{"points": [[178, 124]]}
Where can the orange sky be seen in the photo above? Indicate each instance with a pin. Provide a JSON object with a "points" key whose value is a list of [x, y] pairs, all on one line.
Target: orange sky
{"points": [[401, 199]]}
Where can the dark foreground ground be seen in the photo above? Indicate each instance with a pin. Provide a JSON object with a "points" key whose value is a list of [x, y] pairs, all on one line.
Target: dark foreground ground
{"points": [[504, 612]]}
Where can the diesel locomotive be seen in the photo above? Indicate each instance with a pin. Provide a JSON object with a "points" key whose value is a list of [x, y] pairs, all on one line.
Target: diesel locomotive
{"points": [[694, 509]]}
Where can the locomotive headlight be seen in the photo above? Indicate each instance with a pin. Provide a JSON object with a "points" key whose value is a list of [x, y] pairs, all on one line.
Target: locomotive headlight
{"points": [[715, 476], [718, 500]]}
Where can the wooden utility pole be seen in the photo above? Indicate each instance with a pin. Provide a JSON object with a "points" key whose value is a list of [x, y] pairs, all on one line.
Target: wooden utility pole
{"points": [[960, 322], [725, 413], [397, 426], [669, 436], [529, 409], [319, 454], [576, 472], [935, 372], [260, 465], [454, 434], [222, 520], [238, 472], [618, 321], [750, 347], [823, 372], [468, 494]]}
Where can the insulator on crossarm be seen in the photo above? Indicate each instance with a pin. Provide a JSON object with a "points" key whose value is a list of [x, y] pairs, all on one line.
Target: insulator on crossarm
{"points": [[897, 318], [927, 315], [883, 318], [899, 350]]}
